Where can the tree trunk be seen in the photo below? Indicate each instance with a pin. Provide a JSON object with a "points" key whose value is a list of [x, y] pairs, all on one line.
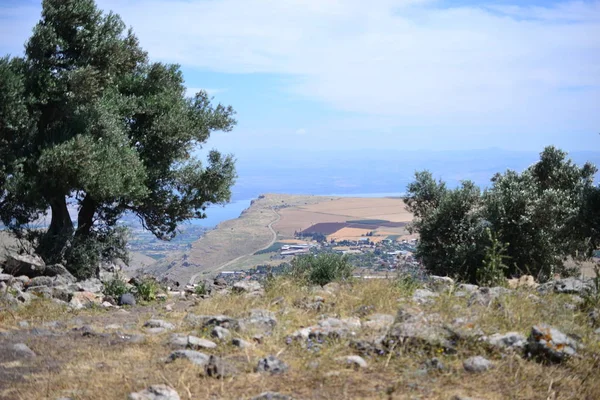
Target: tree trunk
{"points": [[85, 218], [61, 223]]}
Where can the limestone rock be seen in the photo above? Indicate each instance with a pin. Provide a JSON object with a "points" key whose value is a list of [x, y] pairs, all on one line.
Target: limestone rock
{"points": [[156, 392], [477, 364], [424, 296], [271, 364], [220, 333], [219, 368], [193, 356], [510, 340], [271, 396], [549, 344]]}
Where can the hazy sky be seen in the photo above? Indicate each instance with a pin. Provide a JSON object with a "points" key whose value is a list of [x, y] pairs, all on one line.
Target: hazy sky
{"points": [[351, 74]]}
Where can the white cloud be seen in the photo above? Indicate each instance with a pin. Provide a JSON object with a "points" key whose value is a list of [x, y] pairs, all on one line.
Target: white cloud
{"points": [[415, 62], [301, 131], [191, 91]]}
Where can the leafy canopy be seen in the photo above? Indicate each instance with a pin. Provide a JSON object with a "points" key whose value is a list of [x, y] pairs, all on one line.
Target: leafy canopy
{"points": [[527, 222], [87, 119]]}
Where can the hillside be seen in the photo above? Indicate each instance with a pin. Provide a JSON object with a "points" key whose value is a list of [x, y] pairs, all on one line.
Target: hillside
{"points": [[366, 339], [275, 217]]}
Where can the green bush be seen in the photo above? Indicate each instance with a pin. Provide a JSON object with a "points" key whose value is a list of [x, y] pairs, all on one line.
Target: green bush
{"points": [[147, 289], [321, 269], [115, 287], [544, 215], [200, 290]]}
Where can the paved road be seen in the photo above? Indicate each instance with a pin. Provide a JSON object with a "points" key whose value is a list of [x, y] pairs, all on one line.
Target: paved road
{"points": [[270, 226]]}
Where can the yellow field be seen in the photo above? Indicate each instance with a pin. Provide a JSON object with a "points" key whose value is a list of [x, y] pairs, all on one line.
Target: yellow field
{"points": [[388, 209]]}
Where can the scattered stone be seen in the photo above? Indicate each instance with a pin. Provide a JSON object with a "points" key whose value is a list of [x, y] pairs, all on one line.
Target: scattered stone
{"points": [[572, 285], [24, 264], [258, 321], [159, 323], [220, 333], [242, 344], [440, 283], [510, 341], [219, 368], [193, 356], [549, 344], [271, 364], [414, 328], [127, 299], [354, 361], [379, 322], [156, 392], [424, 296], [271, 396], [23, 324], [21, 350], [81, 300], [113, 327], [486, 296], [6, 278], [205, 321], [477, 364], [248, 287], [191, 342], [93, 285], [330, 327], [134, 339]]}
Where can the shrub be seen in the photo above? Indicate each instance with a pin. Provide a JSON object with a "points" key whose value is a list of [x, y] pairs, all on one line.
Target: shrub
{"points": [[200, 290], [321, 269], [147, 289], [493, 271], [115, 287]]}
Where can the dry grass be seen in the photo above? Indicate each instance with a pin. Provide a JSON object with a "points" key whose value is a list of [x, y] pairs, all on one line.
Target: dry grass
{"points": [[389, 209], [91, 369]]}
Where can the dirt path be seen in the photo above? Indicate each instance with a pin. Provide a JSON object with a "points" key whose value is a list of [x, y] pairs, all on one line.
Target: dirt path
{"points": [[270, 226]]}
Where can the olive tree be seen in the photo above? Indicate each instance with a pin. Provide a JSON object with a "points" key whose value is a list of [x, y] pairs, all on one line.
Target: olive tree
{"points": [[528, 222], [88, 122]]}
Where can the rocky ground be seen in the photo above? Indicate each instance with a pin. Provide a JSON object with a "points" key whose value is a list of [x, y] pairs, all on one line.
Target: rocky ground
{"points": [[364, 339]]}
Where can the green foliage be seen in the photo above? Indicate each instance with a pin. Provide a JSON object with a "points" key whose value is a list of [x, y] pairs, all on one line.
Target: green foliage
{"points": [[115, 287], [544, 214], [407, 282], [493, 271], [200, 290], [87, 120], [321, 269], [147, 289]]}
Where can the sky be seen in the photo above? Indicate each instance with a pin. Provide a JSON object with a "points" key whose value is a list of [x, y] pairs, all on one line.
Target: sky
{"points": [[379, 74]]}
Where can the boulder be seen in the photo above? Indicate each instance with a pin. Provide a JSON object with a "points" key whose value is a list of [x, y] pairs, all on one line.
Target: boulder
{"points": [[24, 264], [242, 344], [508, 341], [440, 283], [477, 364], [271, 364], [486, 296], [195, 357], [21, 350], [155, 392], [424, 296], [525, 281], [580, 286], [93, 285], [248, 288], [160, 324], [258, 321], [220, 333], [415, 328], [205, 321], [191, 342], [546, 343], [81, 300], [330, 327], [127, 299], [379, 323], [219, 368]]}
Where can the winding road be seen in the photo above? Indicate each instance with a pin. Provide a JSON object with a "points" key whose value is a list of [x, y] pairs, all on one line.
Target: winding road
{"points": [[270, 226]]}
